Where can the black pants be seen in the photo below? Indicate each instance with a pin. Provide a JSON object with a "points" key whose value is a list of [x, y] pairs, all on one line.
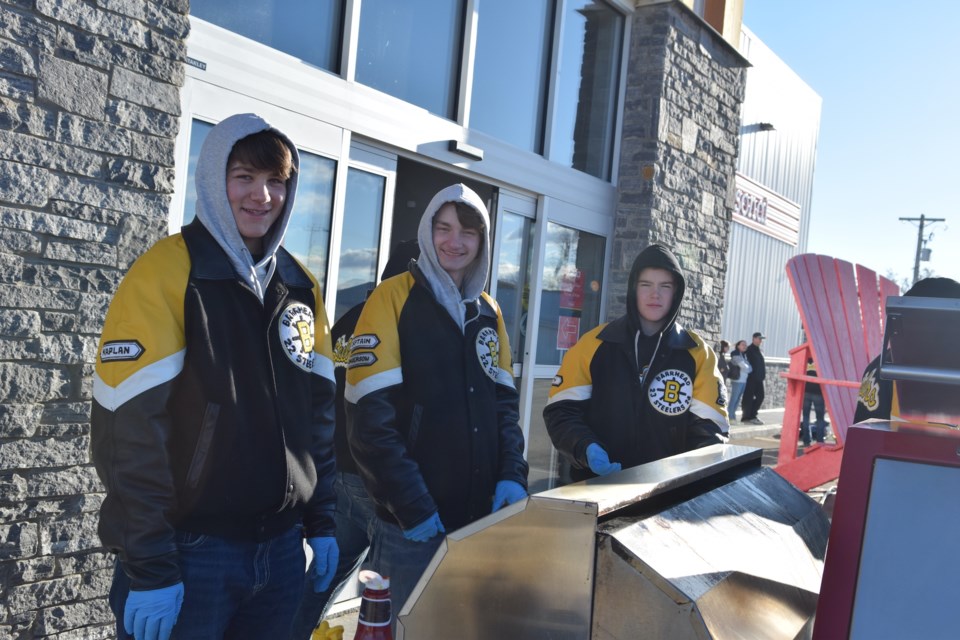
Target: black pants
{"points": [[752, 398]]}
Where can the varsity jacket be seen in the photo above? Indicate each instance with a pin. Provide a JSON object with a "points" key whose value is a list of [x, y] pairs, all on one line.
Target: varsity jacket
{"points": [[213, 401], [639, 404], [432, 413]]}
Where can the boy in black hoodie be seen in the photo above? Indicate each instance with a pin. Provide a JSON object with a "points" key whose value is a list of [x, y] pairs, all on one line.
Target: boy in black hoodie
{"points": [[639, 388]]}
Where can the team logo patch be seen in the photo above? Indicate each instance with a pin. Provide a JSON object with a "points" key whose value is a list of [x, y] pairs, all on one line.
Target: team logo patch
{"points": [[488, 351], [341, 352], [117, 350], [365, 341], [557, 380], [671, 392], [869, 395], [296, 334]]}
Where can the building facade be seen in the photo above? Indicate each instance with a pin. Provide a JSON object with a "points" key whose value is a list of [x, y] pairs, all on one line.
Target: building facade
{"points": [[590, 127], [771, 217]]}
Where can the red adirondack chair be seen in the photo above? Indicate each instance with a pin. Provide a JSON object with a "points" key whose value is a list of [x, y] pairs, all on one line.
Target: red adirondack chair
{"points": [[842, 307]]}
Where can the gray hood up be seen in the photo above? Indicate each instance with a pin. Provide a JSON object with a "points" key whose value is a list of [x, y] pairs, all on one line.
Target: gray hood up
{"points": [[213, 207], [445, 290]]}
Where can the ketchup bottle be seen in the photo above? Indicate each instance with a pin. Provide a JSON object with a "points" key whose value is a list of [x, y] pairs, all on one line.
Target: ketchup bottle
{"points": [[374, 622]]}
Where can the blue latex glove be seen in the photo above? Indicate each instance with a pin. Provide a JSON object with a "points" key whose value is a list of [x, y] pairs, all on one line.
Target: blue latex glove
{"points": [[507, 492], [426, 529], [599, 461], [326, 555], [150, 615]]}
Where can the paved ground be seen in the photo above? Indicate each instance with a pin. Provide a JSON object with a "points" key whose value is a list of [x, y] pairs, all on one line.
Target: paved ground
{"points": [[765, 436]]}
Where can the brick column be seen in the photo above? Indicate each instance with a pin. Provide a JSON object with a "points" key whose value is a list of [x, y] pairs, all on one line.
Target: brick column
{"points": [[89, 110]]}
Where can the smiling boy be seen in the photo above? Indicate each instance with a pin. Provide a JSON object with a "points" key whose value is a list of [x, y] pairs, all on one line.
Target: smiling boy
{"points": [[212, 428], [432, 411], [641, 387]]}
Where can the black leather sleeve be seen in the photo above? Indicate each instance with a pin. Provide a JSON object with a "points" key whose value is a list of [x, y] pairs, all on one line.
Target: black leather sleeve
{"points": [[129, 450], [318, 519], [568, 430]]}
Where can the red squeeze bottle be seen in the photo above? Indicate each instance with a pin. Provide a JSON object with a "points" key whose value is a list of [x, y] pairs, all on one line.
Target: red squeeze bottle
{"points": [[374, 622]]}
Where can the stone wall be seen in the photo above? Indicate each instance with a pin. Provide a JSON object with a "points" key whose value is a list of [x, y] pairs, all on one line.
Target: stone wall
{"points": [[678, 156], [89, 110]]}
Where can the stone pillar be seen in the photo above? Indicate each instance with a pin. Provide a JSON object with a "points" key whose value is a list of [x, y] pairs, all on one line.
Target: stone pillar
{"points": [[89, 111], [678, 155]]}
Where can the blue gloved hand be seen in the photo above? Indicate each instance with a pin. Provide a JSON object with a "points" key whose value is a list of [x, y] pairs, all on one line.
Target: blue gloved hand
{"points": [[426, 529], [599, 461], [326, 555], [150, 615], [507, 492]]}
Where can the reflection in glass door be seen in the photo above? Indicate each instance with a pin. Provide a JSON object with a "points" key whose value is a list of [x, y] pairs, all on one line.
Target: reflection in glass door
{"points": [[513, 277], [359, 246]]}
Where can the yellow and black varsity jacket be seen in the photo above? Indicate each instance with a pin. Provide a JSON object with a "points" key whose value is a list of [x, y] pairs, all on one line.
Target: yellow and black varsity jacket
{"points": [[601, 396], [212, 411], [432, 411]]}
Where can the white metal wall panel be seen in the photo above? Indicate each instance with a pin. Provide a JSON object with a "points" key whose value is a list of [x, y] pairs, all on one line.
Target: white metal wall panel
{"points": [[782, 159]]}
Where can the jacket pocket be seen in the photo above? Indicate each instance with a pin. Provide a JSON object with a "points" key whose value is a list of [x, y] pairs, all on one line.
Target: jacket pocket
{"points": [[203, 444], [415, 417]]}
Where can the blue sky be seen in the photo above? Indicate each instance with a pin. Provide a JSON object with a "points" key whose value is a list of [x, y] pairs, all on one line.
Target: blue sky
{"points": [[889, 76]]}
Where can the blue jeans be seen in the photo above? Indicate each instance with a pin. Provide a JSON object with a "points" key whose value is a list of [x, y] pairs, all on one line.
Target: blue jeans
{"points": [[231, 589], [354, 513], [402, 560], [812, 401], [736, 392]]}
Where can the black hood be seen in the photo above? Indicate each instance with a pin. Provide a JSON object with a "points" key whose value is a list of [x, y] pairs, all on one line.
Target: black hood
{"points": [[658, 257], [935, 288]]}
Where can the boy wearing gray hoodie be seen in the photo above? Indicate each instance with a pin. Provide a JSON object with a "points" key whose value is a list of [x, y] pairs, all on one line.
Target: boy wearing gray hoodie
{"points": [[212, 419], [432, 411]]}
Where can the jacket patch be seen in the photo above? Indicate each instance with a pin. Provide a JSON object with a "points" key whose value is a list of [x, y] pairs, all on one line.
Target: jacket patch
{"points": [[488, 351], [296, 334], [117, 350], [341, 352], [364, 359], [869, 395], [365, 341], [557, 380], [671, 392]]}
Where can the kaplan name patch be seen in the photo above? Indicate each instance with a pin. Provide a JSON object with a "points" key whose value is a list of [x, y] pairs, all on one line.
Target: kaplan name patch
{"points": [[121, 350]]}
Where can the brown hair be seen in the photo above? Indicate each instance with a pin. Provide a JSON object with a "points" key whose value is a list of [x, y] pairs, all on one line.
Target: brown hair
{"points": [[264, 151], [467, 216]]}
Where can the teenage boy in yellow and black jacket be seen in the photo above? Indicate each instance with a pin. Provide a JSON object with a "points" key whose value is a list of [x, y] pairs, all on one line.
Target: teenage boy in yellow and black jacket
{"points": [[432, 411], [212, 423], [639, 388]]}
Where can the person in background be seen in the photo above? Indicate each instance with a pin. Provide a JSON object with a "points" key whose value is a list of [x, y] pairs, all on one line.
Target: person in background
{"points": [[355, 510], [738, 360], [432, 411], [212, 422], [812, 399], [876, 398], [722, 364], [641, 387], [753, 393]]}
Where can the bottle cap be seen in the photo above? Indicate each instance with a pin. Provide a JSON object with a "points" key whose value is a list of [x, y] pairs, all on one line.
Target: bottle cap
{"points": [[374, 580]]}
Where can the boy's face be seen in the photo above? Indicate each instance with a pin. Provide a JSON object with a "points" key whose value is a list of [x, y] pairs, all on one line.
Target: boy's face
{"points": [[457, 247], [256, 199], [655, 288]]}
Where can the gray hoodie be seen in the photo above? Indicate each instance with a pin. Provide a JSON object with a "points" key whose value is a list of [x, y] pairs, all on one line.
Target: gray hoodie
{"points": [[445, 290], [213, 208]]}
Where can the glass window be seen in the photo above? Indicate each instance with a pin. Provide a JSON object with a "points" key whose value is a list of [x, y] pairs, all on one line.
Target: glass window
{"points": [[411, 50], [307, 29], [510, 72], [586, 87], [361, 237], [513, 277], [198, 133], [308, 235], [570, 292]]}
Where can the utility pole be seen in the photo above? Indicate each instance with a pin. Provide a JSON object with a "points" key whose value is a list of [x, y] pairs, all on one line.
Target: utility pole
{"points": [[920, 240]]}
